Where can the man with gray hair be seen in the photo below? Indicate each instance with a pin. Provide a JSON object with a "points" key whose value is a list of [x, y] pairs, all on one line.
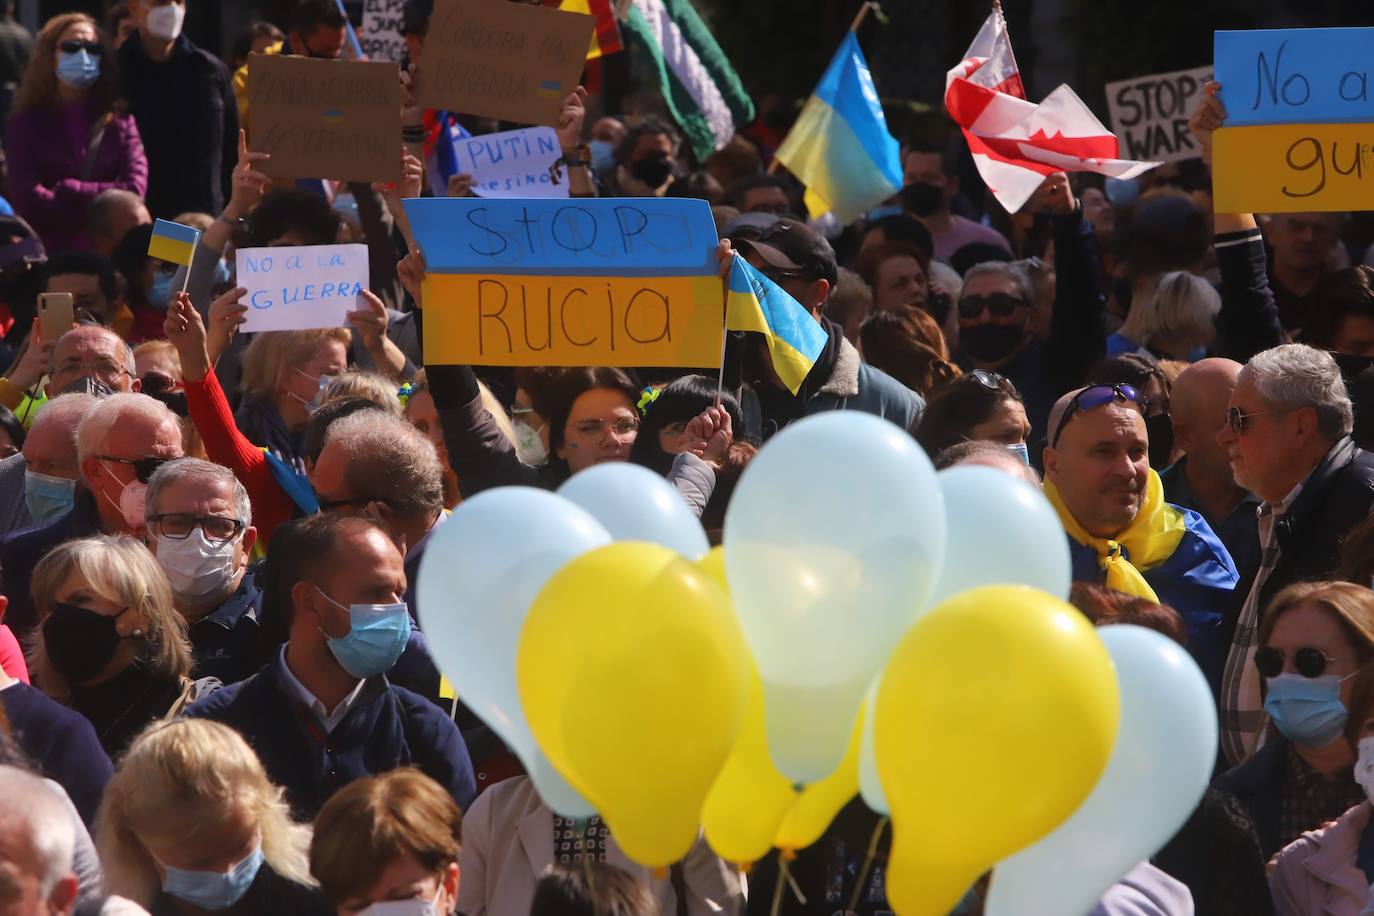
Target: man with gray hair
{"points": [[1287, 433], [37, 844], [40, 482], [200, 528]]}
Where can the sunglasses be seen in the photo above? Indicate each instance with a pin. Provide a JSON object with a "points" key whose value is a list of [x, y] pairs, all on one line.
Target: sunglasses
{"points": [[999, 304], [1094, 397], [992, 381], [1310, 661], [143, 467], [74, 46], [1235, 418]]}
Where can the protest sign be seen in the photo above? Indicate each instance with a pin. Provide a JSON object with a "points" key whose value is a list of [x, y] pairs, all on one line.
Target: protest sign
{"points": [[1277, 168], [1150, 113], [1294, 76], [301, 286], [380, 35], [497, 59], [325, 118], [512, 164], [599, 282]]}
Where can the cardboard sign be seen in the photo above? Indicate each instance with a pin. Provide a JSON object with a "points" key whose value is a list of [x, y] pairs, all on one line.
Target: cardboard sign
{"points": [[301, 286], [1150, 114], [325, 118], [1295, 76], [513, 164], [497, 59], [597, 282], [380, 35], [1278, 168]]}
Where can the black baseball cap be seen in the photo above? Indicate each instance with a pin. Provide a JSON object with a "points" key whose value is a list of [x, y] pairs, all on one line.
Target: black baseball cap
{"points": [[792, 246]]}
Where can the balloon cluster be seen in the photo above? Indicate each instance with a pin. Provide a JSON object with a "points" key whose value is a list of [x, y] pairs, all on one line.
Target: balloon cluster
{"points": [[869, 626]]}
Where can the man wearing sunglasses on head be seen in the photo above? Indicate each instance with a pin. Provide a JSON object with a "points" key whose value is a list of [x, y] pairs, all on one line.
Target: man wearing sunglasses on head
{"points": [[1287, 433], [119, 445], [1122, 533]]}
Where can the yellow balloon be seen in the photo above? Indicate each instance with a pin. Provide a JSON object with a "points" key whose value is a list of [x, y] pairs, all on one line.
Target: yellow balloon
{"points": [[633, 674], [822, 800], [995, 718]]}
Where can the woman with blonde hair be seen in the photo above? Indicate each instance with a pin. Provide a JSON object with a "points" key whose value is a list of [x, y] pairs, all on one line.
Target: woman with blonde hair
{"points": [[69, 137], [191, 824], [1173, 320], [359, 383], [110, 643], [284, 376]]}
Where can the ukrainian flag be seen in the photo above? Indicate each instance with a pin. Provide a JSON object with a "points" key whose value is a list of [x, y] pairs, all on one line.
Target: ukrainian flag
{"points": [[173, 242], [839, 147], [756, 303]]}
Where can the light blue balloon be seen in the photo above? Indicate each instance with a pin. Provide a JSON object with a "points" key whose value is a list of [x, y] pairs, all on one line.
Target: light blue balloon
{"points": [[833, 542], [870, 786], [635, 504], [478, 577], [1160, 766], [1001, 531]]}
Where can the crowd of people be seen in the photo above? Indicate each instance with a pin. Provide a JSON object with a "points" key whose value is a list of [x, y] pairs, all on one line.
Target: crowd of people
{"points": [[215, 694]]}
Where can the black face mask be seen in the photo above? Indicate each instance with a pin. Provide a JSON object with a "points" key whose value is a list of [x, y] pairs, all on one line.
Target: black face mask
{"points": [[1352, 366], [923, 198], [991, 343], [79, 641], [88, 384], [1160, 430], [653, 171]]}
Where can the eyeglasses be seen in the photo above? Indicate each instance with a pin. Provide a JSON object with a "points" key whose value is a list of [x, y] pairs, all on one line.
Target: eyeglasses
{"points": [[1090, 398], [1235, 417], [594, 432], [74, 46], [992, 381], [143, 467], [1309, 660], [330, 505], [999, 304], [178, 526], [102, 368]]}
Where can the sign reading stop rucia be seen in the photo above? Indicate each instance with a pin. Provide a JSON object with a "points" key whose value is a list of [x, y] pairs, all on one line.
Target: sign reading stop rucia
{"points": [[1150, 113]]}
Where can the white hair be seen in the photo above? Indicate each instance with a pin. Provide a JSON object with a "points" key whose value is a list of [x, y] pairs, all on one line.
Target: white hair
{"points": [[946, 277], [66, 410], [1177, 303], [90, 435], [1296, 375], [200, 471], [38, 809], [389, 460], [1007, 270]]}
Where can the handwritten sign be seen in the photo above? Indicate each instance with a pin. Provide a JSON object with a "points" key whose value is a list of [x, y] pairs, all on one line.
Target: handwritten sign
{"points": [[1278, 168], [513, 164], [602, 282], [1150, 113], [325, 118], [301, 286], [380, 35], [1295, 76], [497, 59]]}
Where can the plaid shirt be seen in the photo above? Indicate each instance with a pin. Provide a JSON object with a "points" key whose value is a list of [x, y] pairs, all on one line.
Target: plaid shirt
{"points": [[1308, 799], [1242, 710]]}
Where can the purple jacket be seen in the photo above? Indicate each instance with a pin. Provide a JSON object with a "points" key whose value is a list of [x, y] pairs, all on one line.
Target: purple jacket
{"points": [[47, 148]]}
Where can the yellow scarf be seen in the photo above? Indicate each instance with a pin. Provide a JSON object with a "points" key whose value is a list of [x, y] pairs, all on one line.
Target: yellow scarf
{"points": [[1149, 540]]}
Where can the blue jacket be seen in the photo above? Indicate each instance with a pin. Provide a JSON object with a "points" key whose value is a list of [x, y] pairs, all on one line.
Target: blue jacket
{"points": [[21, 550], [1197, 580], [61, 742], [225, 641], [388, 727]]}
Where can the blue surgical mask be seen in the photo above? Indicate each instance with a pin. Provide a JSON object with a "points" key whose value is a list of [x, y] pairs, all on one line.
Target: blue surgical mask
{"points": [[160, 295], [1306, 710], [603, 156], [211, 890], [47, 496], [376, 637], [222, 274], [79, 70], [1020, 451]]}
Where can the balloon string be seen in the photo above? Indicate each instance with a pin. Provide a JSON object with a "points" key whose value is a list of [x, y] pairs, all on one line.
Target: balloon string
{"points": [[777, 887], [868, 862]]}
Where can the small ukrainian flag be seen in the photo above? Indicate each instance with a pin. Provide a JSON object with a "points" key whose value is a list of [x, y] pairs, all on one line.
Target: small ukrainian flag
{"points": [[173, 242], [333, 115], [550, 89], [756, 303]]}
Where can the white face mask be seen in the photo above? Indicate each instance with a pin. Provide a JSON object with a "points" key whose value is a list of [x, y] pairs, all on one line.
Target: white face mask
{"points": [[165, 21], [1364, 766], [197, 568], [529, 448], [412, 907]]}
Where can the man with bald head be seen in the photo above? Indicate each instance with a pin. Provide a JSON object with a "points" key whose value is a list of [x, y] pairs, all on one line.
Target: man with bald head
{"points": [[1122, 532], [1201, 480]]}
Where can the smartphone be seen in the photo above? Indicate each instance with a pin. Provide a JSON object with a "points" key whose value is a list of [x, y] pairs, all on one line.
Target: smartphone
{"points": [[56, 315]]}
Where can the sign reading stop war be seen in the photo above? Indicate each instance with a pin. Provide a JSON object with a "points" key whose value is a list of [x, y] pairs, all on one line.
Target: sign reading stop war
{"points": [[1277, 168], [1150, 114], [330, 119], [497, 59], [598, 282]]}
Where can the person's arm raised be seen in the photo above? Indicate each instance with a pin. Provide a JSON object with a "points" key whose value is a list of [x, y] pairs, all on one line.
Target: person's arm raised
{"points": [[1209, 115], [576, 155]]}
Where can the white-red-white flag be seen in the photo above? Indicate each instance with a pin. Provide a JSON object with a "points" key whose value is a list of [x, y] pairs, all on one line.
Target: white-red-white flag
{"points": [[1016, 143]]}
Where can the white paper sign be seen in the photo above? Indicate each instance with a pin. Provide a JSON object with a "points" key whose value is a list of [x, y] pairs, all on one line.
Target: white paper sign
{"points": [[304, 286], [380, 35], [512, 164], [1150, 114]]}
